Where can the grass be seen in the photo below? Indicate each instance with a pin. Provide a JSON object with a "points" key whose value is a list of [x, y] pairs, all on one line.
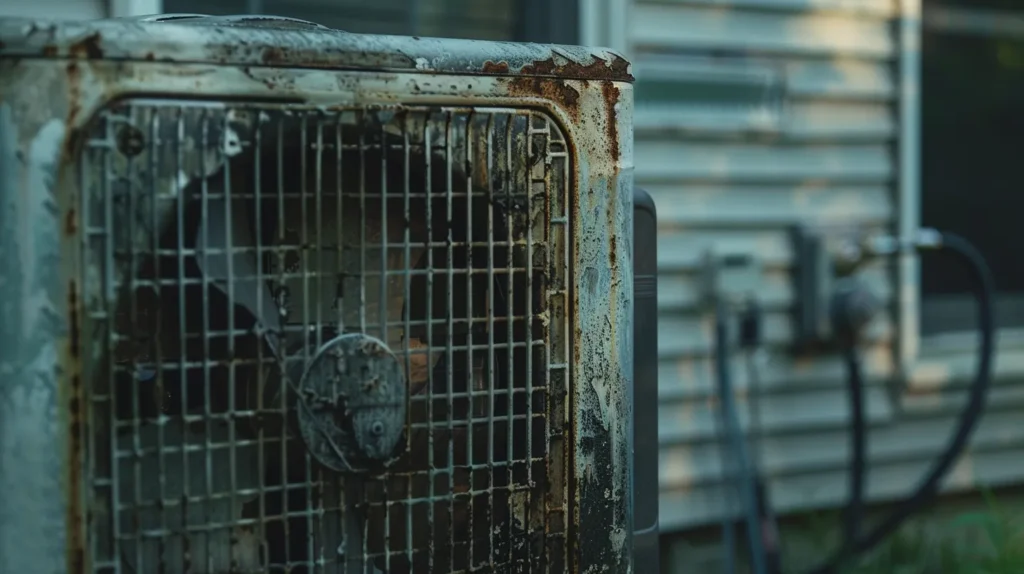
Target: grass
{"points": [[990, 541], [985, 542]]}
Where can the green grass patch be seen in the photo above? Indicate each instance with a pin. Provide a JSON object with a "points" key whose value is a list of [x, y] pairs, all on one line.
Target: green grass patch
{"points": [[986, 541]]}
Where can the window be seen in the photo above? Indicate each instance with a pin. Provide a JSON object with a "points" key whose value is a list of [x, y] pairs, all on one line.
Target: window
{"points": [[972, 174], [518, 20]]}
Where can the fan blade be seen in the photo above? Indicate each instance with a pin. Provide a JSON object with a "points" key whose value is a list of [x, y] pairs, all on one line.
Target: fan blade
{"points": [[154, 476], [245, 287]]}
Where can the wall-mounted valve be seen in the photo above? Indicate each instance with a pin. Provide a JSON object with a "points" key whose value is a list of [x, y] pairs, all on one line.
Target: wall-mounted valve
{"points": [[853, 306], [833, 305]]}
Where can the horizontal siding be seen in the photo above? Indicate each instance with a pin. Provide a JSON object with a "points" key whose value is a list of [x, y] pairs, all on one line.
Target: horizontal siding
{"points": [[807, 470], [666, 159], [691, 379], [815, 122], [992, 461], [692, 423], [733, 175], [801, 454], [681, 249], [871, 8], [786, 449], [679, 292], [693, 335], [759, 205], [803, 440], [840, 78], [696, 26]]}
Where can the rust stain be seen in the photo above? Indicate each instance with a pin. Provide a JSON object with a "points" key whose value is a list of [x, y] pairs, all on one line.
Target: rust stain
{"points": [[575, 207], [74, 341], [71, 222], [87, 48], [556, 90], [74, 104], [613, 260], [616, 69], [572, 307], [611, 98], [76, 422], [274, 56], [324, 59], [496, 68]]}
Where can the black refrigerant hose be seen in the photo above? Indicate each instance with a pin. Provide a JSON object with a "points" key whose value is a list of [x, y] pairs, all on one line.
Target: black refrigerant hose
{"points": [[750, 341], [746, 480], [984, 288], [759, 519], [854, 512]]}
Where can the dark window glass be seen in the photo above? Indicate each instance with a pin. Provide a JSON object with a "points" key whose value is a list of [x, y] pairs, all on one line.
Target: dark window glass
{"points": [[972, 173]]}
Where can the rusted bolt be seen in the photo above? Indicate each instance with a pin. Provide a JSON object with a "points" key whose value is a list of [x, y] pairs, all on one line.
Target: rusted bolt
{"points": [[130, 141]]}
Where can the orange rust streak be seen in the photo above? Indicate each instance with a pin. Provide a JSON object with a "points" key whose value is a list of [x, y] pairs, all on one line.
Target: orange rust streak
{"points": [[555, 90], [611, 98], [87, 48], [76, 420], [71, 222], [496, 68], [618, 68]]}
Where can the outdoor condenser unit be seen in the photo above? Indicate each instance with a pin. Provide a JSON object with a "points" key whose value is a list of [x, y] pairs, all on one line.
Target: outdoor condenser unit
{"points": [[281, 298]]}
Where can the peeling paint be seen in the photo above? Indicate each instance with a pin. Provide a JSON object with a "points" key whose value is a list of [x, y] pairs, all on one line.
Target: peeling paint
{"points": [[32, 488], [196, 41]]}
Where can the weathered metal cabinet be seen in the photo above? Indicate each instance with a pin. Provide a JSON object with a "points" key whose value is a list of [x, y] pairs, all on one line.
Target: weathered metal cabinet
{"points": [[281, 298]]}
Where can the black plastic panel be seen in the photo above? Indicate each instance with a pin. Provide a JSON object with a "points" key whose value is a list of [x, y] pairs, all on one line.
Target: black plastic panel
{"points": [[645, 380]]}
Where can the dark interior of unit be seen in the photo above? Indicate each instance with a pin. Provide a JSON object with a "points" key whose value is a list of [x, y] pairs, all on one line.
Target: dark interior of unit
{"points": [[175, 357]]}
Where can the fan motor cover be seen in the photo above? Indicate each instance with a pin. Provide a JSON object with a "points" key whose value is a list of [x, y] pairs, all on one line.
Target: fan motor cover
{"points": [[276, 297]]}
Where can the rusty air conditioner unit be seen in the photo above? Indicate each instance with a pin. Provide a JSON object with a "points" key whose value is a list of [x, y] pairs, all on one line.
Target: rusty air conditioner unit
{"points": [[281, 298]]}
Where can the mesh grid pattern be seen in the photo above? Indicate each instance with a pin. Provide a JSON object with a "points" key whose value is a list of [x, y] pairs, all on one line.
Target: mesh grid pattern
{"points": [[225, 245]]}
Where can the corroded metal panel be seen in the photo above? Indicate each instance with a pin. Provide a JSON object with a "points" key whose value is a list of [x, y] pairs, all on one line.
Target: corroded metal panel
{"points": [[542, 137]]}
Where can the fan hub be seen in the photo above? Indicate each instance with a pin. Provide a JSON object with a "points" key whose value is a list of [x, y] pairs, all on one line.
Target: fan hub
{"points": [[351, 403]]}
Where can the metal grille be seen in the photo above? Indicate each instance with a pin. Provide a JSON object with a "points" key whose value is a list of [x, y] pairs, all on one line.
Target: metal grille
{"points": [[228, 248]]}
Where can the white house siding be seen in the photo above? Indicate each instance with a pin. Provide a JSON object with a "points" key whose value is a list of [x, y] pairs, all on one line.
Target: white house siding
{"points": [[730, 173]]}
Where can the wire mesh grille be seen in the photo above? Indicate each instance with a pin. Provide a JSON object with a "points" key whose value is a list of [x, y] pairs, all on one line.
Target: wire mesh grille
{"points": [[226, 245]]}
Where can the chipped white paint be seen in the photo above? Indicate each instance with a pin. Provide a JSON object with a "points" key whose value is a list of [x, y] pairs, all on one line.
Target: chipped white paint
{"points": [[32, 492]]}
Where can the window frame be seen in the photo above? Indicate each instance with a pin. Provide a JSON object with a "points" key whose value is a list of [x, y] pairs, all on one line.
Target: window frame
{"points": [[908, 196], [942, 316]]}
